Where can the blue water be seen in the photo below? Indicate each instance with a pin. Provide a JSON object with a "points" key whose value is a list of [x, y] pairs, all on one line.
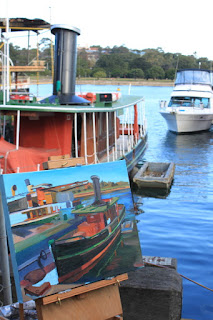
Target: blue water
{"points": [[179, 225]]}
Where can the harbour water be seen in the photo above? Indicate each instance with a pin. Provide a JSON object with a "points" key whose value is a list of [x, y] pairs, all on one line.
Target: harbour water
{"points": [[180, 224]]}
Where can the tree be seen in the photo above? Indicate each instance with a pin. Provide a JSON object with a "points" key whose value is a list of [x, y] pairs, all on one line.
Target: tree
{"points": [[141, 63], [204, 63], [14, 53], [45, 47], [84, 65], [156, 72], [136, 73], [99, 74], [154, 57], [22, 56], [187, 62], [170, 74], [170, 61], [116, 62]]}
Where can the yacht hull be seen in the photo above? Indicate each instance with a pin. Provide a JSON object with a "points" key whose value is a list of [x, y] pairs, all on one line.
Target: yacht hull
{"points": [[186, 123]]}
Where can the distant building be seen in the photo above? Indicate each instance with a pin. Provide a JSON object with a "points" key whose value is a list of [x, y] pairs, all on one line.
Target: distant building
{"points": [[93, 53]]}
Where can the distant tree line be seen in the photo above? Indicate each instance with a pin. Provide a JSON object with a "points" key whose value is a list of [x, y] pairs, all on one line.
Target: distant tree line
{"points": [[116, 62], [24, 56]]}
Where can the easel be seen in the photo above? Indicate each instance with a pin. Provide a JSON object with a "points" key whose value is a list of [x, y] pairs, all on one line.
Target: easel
{"points": [[95, 301]]}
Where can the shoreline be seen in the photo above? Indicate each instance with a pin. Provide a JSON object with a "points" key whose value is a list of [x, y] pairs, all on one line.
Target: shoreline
{"points": [[90, 193], [116, 82]]}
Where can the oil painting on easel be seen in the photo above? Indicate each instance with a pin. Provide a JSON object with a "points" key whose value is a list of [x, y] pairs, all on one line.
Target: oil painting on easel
{"points": [[69, 227]]}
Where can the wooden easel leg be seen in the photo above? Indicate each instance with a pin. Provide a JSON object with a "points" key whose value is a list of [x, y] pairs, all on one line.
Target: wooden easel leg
{"points": [[21, 311], [39, 309]]}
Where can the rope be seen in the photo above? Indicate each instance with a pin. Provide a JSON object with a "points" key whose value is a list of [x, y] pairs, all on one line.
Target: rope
{"points": [[199, 284]]}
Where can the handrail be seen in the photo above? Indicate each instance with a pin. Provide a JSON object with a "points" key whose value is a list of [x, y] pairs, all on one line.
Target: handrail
{"points": [[5, 159], [42, 107]]}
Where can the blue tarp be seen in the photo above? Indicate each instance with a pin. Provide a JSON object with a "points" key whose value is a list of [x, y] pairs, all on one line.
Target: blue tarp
{"points": [[193, 77]]}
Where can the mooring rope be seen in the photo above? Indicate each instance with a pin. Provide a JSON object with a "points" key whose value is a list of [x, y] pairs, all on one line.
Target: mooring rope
{"points": [[199, 284]]}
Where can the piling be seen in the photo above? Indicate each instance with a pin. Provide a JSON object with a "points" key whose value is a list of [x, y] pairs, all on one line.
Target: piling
{"points": [[152, 293]]}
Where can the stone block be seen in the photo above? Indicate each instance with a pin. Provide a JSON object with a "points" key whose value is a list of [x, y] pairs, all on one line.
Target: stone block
{"points": [[152, 293]]}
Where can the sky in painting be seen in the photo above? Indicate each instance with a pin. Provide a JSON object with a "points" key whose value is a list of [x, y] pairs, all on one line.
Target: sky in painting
{"points": [[65, 176], [182, 26]]}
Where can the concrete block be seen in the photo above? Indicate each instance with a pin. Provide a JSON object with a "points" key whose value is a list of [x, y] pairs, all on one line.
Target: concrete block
{"points": [[152, 293]]}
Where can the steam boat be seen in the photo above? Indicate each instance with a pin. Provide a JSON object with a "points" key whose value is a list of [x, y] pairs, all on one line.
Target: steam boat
{"points": [[94, 238], [67, 129]]}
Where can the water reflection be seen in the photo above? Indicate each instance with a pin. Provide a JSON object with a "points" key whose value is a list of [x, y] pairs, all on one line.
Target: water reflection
{"points": [[152, 192], [202, 140]]}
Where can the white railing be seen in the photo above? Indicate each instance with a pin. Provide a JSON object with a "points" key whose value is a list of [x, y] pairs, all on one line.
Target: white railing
{"points": [[163, 104]]}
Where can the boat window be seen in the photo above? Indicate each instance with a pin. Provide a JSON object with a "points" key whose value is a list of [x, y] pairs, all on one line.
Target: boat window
{"points": [[196, 102]]}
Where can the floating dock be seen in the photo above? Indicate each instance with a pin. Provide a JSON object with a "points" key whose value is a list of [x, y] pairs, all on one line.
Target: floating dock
{"points": [[155, 175]]}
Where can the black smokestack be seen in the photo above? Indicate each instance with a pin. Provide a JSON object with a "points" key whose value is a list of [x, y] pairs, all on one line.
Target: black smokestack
{"points": [[65, 62], [97, 191]]}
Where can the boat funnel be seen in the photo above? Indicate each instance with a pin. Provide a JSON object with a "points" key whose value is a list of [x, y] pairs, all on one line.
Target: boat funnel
{"points": [[97, 191], [65, 61]]}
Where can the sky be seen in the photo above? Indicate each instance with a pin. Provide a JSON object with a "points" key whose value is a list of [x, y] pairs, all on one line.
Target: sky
{"points": [[181, 26]]}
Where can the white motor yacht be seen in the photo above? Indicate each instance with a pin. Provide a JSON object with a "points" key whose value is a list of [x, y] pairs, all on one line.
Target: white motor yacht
{"points": [[190, 108]]}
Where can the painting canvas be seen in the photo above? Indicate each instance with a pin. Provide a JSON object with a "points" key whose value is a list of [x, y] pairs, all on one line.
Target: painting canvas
{"points": [[68, 227]]}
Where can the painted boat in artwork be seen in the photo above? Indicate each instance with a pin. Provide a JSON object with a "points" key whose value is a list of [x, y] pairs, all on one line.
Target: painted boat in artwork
{"points": [[49, 213], [34, 253], [40, 204], [94, 238]]}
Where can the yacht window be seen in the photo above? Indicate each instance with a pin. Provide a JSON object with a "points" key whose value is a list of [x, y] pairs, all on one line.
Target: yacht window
{"points": [[196, 102]]}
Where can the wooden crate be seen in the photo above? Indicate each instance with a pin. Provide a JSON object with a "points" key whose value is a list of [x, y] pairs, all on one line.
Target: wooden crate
{"points": [[96, 301], [63, 163]]}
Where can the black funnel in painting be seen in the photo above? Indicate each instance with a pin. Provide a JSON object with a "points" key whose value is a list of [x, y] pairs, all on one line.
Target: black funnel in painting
{"points": [[65, 61], [97, 191]]}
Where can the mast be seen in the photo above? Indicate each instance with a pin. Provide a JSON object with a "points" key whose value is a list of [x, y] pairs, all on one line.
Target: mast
{"points": [[5, 268]]}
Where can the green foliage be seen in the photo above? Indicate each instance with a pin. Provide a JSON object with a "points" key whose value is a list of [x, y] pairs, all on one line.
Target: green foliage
{"points": [[99, 74], [204, 63], [116, 62], [135, 73], [187, 62], [22, 57], [170, 74], [156, 72]]}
